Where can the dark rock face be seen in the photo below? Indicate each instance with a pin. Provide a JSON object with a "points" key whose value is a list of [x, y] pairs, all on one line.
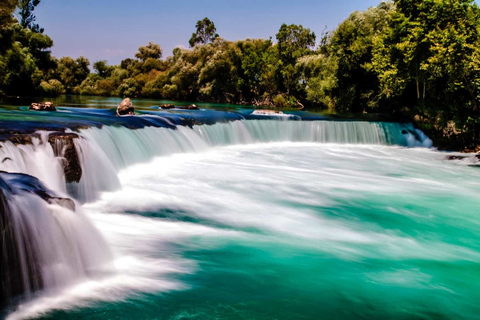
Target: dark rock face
{"points": [[43, 106], [63, 146], [17, 277], [167, 106], [190, 107], [125, 108], [11, 278]]}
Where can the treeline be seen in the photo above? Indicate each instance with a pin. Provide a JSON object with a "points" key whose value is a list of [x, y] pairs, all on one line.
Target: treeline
{"points": [[414, 58]]}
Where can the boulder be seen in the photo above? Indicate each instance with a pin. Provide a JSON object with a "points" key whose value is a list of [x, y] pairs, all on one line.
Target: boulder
{"points": [[64, 147], [190, 107], [167, 106], [42, 106], [125, 108]]}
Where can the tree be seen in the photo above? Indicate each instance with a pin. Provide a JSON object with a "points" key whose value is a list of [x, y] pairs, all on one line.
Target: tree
{"points": [[206, 33], [151, 50], [27, 18], [293, 42], [102, 68], [429, 59], [357, 86], [7, 7], [72, 72]]}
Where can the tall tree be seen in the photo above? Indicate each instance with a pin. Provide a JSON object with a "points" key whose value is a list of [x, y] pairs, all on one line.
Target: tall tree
{"points": [[72, 72], [151, 50], [7, 7], [293, 42], [206, 32], [27, 17], [357, 86], [102, 68]]}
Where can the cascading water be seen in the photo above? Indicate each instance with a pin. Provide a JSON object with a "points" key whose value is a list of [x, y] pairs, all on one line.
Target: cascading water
{"points": [[45, 244], [66, 247], [104, 151], [107, 150]]}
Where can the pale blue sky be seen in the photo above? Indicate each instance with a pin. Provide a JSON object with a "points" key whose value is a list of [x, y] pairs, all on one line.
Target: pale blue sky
{"points": [[114, 29]]}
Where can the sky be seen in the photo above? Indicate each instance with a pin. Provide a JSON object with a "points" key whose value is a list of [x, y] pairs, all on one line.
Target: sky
{"points": [[113, 30]]}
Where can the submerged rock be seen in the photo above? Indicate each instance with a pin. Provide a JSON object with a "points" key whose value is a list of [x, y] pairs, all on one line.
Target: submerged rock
{"points": [[466, 159], [167, 106], [125, 108], [43, 106], [190, 107], [456, 157]]}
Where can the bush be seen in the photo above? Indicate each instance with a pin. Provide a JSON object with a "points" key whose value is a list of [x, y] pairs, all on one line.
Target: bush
{"points": [[281, 101], [52, 88]]}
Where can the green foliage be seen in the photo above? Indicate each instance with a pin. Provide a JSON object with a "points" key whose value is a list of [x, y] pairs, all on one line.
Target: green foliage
{"points": [[206, 33], [150, 51], [52, 88], [281, 101], [294, 42], [352, 45], [430, 60], [7, 8], [319, 74], [102, 68], [129, 88], [414, 58], [26, 8], [72, 72]]}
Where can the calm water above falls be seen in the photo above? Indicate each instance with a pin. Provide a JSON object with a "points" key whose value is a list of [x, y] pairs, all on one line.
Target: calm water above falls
{"points": [[285, 231]]}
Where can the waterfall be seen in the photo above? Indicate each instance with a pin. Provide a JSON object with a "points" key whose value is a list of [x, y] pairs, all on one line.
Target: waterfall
{"points": [[45, 244], [104, 151]]}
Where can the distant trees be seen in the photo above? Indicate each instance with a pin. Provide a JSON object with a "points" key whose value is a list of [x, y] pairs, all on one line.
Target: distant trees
{"points": [[413, 58], [206, 33]]}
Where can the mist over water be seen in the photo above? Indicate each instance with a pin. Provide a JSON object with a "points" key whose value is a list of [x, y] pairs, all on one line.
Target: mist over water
{"points": [[234, 223]]}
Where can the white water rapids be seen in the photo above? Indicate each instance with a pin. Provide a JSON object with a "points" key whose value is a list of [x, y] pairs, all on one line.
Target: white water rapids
{"points": [[154, 193]]}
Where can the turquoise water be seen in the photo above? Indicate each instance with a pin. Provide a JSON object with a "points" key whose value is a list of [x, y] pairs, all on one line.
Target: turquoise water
{"points": [[284, 230]]}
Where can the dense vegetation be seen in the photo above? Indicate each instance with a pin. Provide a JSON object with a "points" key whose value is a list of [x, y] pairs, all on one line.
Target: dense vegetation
{"points": [[413, 58]]}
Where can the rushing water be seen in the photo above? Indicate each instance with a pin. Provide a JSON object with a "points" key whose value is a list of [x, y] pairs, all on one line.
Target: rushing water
{"points": [[268, 220]]}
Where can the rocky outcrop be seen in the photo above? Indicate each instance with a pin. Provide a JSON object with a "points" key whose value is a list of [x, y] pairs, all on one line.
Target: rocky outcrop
{"points": [[64, 147], [125, 108], [167, 106], [189, 107], [42, 106]]}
